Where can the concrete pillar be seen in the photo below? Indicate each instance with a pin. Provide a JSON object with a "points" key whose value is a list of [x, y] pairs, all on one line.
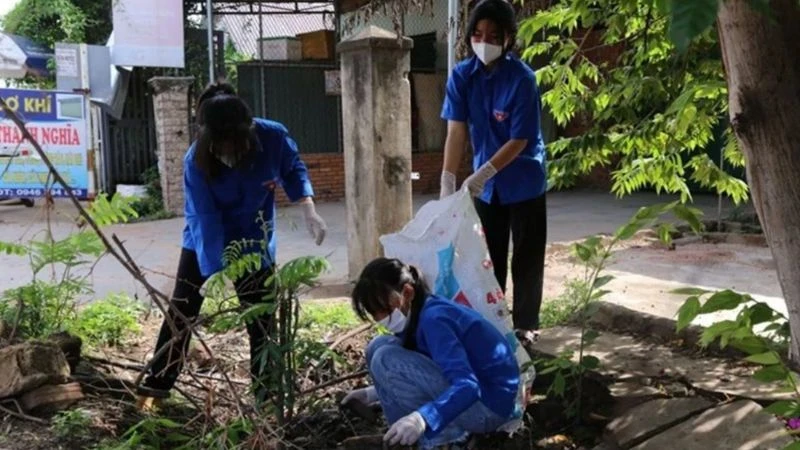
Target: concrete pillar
{"points": [[376, 116], [173, 135]]}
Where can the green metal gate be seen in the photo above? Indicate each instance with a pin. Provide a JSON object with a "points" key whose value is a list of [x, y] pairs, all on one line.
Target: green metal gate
{"points": [[294, 95]]}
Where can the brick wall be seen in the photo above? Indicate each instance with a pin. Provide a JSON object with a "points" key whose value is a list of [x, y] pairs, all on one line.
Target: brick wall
{"points": [[326, 171]]}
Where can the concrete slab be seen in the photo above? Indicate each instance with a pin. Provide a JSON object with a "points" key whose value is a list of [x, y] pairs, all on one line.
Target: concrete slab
{"points": [[651, 418], [740, 425], [626, 355]]}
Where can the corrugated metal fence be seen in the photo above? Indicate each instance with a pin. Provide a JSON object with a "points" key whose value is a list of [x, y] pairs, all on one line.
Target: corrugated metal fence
{"points": [[294, 95]]}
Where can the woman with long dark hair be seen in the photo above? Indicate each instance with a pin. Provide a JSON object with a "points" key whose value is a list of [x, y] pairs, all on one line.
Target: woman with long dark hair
{"points": [[444, 373], [230, 174], [493, 99]]}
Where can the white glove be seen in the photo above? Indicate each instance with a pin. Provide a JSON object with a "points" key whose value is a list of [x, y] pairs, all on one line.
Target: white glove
{"points": [[475, 182], [406, 431], [367, 395], [316, 226], [448, 185]]}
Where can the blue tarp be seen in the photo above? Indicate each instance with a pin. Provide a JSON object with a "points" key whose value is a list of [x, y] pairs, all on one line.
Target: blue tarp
{"points": [[37, 55]]}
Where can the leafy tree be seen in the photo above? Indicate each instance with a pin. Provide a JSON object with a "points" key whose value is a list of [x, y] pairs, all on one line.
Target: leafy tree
{"points": [[51, 21], [652, 112], [655, 109]]}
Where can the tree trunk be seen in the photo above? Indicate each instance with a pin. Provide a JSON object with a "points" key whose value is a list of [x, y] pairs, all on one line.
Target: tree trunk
{"points": [[762, 63]]}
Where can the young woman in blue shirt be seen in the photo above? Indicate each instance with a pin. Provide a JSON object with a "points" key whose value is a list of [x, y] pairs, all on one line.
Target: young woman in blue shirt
{"points": [[230, 174], [444, 373], [493, 101]]}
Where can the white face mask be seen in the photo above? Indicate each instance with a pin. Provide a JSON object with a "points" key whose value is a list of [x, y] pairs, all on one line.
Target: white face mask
{"points": [[487, 53], [227, 160], [395, 322]]}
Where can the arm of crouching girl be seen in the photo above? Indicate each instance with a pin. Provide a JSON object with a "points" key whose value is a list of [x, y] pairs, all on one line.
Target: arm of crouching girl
{"points": [[203, 217]]}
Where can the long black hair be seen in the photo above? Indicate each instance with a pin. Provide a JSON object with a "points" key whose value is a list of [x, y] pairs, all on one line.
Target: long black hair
{"points": [[501, 12], [379, 279], [224, 124]]}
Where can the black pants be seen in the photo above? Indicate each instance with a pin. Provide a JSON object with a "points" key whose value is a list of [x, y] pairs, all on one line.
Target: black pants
{"points": [[187, 300], [526, 223]]}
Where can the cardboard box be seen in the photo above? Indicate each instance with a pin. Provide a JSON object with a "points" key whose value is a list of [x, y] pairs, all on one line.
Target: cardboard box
{"points": [[281, 49], [319, 44]]}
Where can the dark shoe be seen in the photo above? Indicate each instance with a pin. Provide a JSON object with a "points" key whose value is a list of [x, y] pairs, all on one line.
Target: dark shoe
{"points": [[527, 337]]}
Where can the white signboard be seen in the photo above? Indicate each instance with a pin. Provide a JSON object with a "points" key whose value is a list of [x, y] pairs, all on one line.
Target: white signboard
{"points": [[66, 62], [148, 33]]}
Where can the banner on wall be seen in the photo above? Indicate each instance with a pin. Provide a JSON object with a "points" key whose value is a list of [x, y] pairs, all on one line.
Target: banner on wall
{"points": [[58, 122]]}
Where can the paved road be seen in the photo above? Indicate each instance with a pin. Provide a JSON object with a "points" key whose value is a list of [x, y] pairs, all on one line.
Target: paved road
{"points": [[155, 245]]}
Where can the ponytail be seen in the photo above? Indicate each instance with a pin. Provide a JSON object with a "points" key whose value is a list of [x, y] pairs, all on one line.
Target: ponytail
{"points": [[421, 294]]}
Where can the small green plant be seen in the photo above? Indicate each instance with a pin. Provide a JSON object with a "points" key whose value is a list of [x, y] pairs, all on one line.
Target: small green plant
{"points": [[48, 303], [563, 309], [108, 322], [758, 331], [594, 254], [73, 424], [151, 207]]}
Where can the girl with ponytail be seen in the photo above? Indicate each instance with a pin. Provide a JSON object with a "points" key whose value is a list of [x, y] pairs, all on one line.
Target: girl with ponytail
{"points": [[445, 372]]}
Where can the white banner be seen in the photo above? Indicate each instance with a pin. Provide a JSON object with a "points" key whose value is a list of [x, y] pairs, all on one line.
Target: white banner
{"points": [[148, 33]]}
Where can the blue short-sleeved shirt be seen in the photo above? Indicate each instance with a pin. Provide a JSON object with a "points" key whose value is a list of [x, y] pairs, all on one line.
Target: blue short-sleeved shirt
{"points": [[240, 202], [500, 105], [475, 358]]}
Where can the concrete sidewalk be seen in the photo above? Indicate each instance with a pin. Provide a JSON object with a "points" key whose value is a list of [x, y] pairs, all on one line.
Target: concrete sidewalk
{"points": [[156, 245]]}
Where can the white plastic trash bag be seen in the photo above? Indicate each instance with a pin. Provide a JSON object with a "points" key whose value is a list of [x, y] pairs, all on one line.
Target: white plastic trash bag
{"points": [[445, 241]]}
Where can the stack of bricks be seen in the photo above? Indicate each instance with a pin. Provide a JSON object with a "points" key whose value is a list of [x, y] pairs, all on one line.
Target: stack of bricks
{"points": [[326, 171], [170, 107]]}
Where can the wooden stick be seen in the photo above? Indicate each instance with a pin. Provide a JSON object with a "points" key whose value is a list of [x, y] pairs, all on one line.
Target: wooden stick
{"points": [[335, 381], [22, 415]]}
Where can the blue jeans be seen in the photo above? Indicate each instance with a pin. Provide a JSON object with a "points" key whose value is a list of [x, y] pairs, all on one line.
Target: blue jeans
{"points": [[405, 380]]}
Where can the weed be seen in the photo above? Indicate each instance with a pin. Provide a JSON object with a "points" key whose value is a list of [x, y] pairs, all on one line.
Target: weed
{"points": [[72, 424], [151, 207], [109, 321], [562, 309]]}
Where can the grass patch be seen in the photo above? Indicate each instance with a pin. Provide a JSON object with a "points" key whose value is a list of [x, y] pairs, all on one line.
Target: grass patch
{"points": [[108, 322], [321, 318], [560, 310]]}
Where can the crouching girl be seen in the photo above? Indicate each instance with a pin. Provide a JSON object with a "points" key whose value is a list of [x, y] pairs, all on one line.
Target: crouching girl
{"points": [[444, 373]]}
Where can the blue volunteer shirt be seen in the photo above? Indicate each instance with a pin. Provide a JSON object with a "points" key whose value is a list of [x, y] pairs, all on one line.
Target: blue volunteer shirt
{"points": [[500, 105], [474, 357], [230, 207]]}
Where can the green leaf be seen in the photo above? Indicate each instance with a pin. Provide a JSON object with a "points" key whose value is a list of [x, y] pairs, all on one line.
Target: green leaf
{"points": [[590, 362], [765, 359], [688, 312], [760, 313], [602, 281], [584, 253], [689, 291], [13, 249], [689, 19], [751, 345], [689, 215], [722, 300], [782, 408], [589, 337], [770, 374], [559, 384], [793, 446]]}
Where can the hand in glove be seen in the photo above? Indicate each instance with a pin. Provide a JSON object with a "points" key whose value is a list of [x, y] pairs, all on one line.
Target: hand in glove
{"points": [[448, 185], [367, 395], [476, 182], [316, 226], [406, 431]]}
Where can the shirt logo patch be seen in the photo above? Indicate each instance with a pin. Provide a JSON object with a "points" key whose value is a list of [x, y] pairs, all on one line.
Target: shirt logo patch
{"points": [[269, 185], [500, 116]]}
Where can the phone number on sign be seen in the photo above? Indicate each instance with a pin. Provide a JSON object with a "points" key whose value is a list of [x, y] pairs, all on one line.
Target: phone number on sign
{"points": [[39, 192]]}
